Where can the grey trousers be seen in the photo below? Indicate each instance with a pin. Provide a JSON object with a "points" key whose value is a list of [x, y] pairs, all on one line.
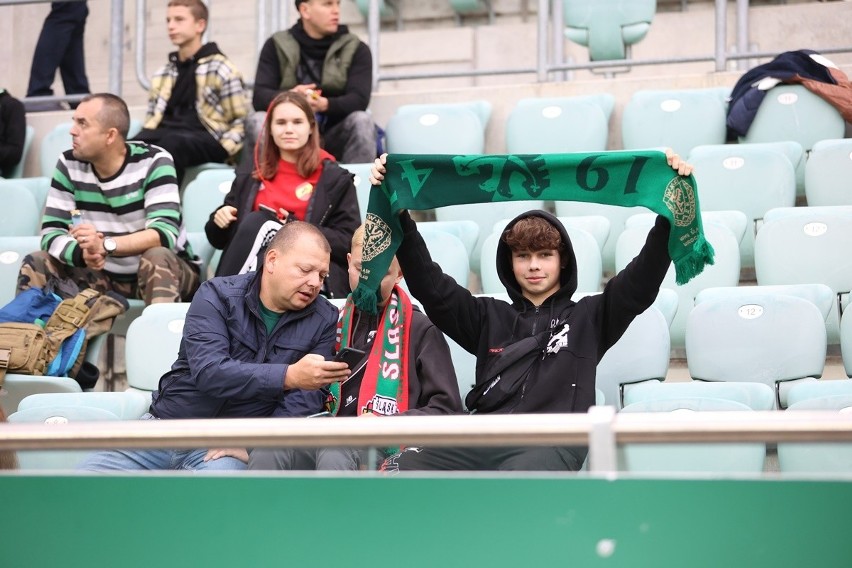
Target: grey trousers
{"points": [[327, 459]]}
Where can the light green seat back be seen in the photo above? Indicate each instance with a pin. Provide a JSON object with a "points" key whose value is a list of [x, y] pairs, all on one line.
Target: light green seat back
{"points": [[437, 129], [792, 112], [804, 245], [756, 396], [54, 143], [20, 214], [17, 387], [828, 173], [152, 344], [607, 27], [743, 178], [57, 417], [192, 172], [819, 390], [203, 195], [450, 253], [696, 457], [818, 457], [128, 405], [558, 125], [466, 230], [678, 119], [361, 179], [724, 272], [766, 338], [202, 247], [794, 152], [37, 186], [12, 252]]}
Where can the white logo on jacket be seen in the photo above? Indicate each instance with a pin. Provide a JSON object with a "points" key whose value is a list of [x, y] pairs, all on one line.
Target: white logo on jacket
{"points": [[558, 340]]}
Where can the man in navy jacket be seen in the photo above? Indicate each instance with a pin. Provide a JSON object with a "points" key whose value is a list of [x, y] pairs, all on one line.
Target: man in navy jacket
{"points": [[254, 345]]}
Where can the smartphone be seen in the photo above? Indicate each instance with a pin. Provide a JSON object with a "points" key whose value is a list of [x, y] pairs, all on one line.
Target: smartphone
{"points": [[272, 211], [350, 356]]}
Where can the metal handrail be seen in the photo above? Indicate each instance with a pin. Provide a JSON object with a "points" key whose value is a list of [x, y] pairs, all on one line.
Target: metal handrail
{"points": [[484, 430]]}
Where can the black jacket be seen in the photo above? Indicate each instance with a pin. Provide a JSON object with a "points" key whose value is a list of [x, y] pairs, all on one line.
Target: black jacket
{"points": [[13, 130], [563, 381], [333, 208]]}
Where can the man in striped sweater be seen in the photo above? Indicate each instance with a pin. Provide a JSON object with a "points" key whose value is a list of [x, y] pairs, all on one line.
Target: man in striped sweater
{"points": [[197, 103], [112, 220]]}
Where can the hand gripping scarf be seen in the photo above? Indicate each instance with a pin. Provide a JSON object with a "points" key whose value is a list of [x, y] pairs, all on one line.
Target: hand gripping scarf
{"points": [[628, 179], [384, 387]]}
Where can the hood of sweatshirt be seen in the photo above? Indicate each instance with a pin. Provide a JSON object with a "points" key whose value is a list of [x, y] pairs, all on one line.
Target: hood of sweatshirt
{"points": [[568, 274]]}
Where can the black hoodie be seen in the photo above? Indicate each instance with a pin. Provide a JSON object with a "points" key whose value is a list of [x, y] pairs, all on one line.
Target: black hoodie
{"points": [[562, 381]]}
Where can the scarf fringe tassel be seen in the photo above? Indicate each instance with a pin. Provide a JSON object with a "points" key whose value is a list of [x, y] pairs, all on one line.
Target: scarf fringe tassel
{"points": [[692, 264]]}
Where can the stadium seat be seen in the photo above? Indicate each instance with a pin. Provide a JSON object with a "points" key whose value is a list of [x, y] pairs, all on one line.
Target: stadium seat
{"points": [[819, 457], [472, 8], [204, 195], [690, 458], [827, 173], [608, 27], [642, 354], [466, 230], [128, 405], [362, 185], [794, 152], [756, 396], [56, 141], [678, 119], [17, 387], [18, 170], [192, 172], [152, 344], [37, 186], [388, 10], [819, 389], [792, 112], [450, 253], [204, 250], [743, 178], [802, 245], [452, 128], [559, 125], [767, 338], [846, 341], [586, 250], [20, 214], [616, 216], [819, 295], [57, 416], [12, 252], [724, 272]]}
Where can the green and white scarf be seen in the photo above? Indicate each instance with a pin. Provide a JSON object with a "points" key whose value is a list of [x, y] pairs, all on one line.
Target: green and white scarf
{"points": [[627, 179]]}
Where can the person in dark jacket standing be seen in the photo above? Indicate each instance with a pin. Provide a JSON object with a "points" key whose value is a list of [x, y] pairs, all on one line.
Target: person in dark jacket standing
{"points": [[404, 351], [254, 345], [562, 340], [293, 179], [320, 59]]}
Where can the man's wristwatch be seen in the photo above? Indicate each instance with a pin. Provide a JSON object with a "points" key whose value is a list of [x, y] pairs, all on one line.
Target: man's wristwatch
{"points": [[110, 245]]}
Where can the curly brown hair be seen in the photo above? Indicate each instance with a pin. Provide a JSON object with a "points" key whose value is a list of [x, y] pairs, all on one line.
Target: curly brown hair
{"points": [[533, 233]]}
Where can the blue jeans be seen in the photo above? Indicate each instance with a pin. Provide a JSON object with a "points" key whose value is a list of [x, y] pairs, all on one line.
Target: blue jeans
{"points": [[134, 460]]}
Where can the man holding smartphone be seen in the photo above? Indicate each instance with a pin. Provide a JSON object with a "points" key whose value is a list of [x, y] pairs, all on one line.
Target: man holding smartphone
{"points": [[254, 345], [405, 369]]}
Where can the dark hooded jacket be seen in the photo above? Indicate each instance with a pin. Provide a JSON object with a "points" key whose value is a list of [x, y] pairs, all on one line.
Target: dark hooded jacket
{"points": [[562, 379]]}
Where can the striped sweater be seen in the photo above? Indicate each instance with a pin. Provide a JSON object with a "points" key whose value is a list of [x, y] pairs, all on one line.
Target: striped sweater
{"points": [[142, 195]]}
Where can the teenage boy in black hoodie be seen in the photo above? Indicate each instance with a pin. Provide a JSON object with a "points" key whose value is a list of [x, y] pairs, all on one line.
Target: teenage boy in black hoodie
{"points": [[197, 105], [555, 373]]}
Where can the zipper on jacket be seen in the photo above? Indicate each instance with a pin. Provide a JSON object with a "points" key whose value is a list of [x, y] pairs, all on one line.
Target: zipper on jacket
{"points": [[325, 215], [573, 397]]}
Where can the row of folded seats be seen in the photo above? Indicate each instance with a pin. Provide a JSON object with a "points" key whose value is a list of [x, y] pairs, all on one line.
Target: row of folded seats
{"points": [[747, 349]]}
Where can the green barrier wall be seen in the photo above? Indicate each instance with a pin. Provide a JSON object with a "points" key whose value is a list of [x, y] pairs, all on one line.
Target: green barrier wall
{"points": [[163, 521]]}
